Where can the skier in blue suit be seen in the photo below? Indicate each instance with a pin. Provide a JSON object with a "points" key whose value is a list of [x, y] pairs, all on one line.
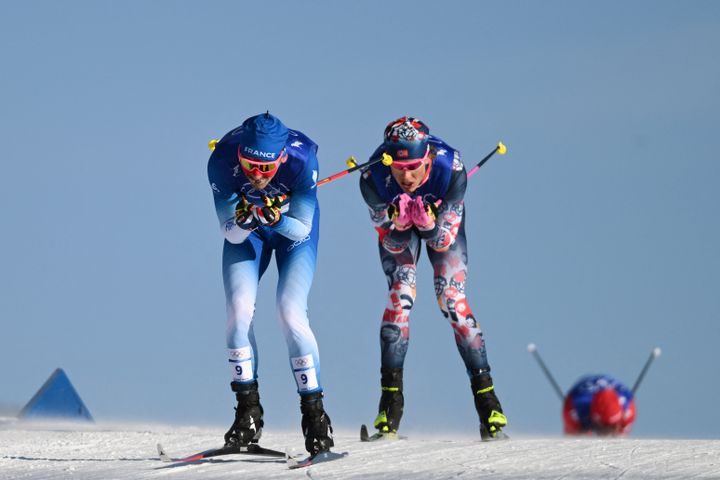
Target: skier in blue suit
{"points": [[263, 177]]}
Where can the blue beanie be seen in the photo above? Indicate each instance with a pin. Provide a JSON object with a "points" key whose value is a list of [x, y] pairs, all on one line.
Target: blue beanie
{"points": [[262, 137]]}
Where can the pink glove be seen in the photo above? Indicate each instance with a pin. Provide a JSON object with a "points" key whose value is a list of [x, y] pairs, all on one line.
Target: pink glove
{"points": [[422, 215], [400, 212]]}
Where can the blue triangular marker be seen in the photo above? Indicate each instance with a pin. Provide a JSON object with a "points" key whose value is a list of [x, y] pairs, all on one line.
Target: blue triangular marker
{"points": [[57, 399]]}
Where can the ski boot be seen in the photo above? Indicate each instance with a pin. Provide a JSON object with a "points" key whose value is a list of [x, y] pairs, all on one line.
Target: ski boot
{"points": [[392, 401], [247, 427], [316, 426], [488, 407]]}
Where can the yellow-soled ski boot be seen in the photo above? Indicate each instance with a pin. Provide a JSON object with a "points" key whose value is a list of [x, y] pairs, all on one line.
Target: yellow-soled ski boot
{"points": [[492, 419], [391, 405]]}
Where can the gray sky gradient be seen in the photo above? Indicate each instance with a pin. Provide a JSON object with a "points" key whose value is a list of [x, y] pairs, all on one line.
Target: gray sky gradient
{"points": [[595, 237]]}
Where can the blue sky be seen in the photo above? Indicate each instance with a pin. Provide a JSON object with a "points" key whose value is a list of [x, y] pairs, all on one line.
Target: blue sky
{"points": [[594, 237]]}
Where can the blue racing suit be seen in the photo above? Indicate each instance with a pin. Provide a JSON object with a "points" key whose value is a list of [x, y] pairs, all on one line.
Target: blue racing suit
{"points": [[247, 253]]}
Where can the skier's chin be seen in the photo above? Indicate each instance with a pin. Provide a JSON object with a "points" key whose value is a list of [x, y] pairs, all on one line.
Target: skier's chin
{"points": [[259, 183]]}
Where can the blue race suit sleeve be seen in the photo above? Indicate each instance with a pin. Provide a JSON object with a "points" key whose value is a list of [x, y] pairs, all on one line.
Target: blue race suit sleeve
{"points": [[297, 222], [225, 200]]}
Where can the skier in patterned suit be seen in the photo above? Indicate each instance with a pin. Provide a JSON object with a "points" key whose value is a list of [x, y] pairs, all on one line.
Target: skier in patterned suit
{"points": [[263, 177], [420, 197]]}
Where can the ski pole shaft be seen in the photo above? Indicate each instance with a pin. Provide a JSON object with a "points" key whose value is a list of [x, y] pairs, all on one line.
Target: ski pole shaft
{"points": [[385, 159], [653, 355], [533, 350], [501, 149]]}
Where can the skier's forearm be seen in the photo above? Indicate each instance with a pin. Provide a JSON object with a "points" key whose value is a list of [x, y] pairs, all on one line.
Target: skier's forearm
{"points": [[225, 209], [296, 224], [447, 226], [379, 217], [395, 241], [376, 205], [430, 233], [450, 214]]}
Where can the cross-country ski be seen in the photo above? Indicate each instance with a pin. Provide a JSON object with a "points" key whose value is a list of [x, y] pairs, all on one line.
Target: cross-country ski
{"points": [[252, 449]]}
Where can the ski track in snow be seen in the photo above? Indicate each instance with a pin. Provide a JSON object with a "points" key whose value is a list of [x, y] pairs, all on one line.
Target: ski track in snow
{"points": [[33, 451]]}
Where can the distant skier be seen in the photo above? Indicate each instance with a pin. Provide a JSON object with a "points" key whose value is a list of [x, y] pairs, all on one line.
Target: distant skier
{"points": [[263, 177], [598, 404], [420, 197]]}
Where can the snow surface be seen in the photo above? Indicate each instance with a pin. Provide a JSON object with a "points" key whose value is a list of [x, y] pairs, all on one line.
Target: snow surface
{"points": [[129, 452]]}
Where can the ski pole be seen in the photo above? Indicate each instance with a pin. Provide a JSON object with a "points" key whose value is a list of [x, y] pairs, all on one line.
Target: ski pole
{"points": [[653, 355], [533, 350], [501, 149], [385, 159]]}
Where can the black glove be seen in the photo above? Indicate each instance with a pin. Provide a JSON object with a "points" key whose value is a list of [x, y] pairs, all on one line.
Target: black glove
{"points": [[270, 214], [244, 214]]}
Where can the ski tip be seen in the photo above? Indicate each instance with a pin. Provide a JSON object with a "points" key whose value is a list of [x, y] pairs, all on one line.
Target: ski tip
{"points": [[656, 352], [531, 347], [161, 453], [366, 437], [295, 462], [328, 456]]}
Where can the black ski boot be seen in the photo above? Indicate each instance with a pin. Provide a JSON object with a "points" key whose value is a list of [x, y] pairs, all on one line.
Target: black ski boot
{"points": [[316, 426], [392, 401], [247, 427], [488, 407]]}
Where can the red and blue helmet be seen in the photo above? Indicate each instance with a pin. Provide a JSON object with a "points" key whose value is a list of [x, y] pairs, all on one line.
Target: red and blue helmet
{"points": [[406, 138], [606, 410]]}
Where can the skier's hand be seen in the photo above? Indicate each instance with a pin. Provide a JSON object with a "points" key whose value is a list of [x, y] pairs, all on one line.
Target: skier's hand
{"points": [[423, 214], [399, 212], [244, 214], [269, 214]]}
